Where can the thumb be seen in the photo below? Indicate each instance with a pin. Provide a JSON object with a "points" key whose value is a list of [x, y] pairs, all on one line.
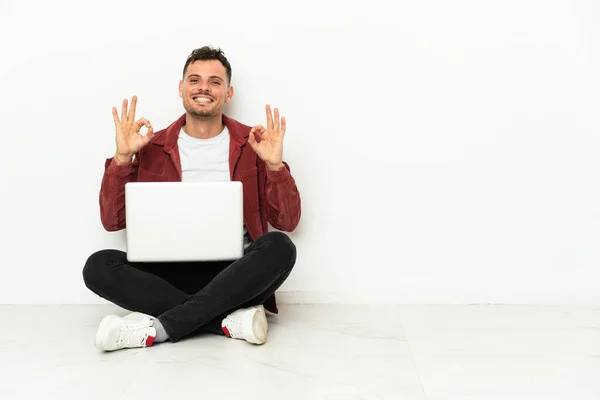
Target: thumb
{"points": [[252, 140], [148, 136]]}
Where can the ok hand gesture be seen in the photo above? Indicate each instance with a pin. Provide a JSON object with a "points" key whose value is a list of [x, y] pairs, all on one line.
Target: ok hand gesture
{"points": [[128, 137], [270, 147]]}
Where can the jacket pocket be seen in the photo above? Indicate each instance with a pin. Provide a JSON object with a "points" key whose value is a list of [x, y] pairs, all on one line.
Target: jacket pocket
{"points": [[148, 176], [153, 160]]}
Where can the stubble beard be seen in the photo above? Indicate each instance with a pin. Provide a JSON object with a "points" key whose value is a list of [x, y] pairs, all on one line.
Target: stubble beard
{"points": [[204, 113]]}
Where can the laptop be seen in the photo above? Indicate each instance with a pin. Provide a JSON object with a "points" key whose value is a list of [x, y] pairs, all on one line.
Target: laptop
{"points": [[184, 221]]}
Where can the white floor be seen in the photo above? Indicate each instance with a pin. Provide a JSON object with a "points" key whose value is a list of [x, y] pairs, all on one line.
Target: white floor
{"points": [[315, 352]]}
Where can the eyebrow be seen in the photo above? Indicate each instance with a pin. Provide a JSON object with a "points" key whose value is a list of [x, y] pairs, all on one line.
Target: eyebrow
{"points": [[210, 77]]}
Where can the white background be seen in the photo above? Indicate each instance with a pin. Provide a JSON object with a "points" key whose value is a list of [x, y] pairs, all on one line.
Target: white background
{"points": [[445, 152]]}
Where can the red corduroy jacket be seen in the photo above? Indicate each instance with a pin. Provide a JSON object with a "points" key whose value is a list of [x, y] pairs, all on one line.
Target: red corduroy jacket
{"points": [[269, 196]]}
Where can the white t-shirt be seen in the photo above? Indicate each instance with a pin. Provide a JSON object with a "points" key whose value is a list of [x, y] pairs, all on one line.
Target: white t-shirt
{"points": [[206, 160]]}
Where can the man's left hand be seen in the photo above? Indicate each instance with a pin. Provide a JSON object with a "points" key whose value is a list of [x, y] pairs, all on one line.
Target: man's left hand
{"points": [[268, 143]]}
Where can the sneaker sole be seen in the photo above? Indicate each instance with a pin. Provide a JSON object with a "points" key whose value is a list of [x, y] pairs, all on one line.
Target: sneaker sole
{"points": [[100, 333], [259, 327]]}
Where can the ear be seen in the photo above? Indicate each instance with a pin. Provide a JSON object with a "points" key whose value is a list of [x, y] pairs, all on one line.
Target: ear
{"points": [[229, 94], [181, 89]]}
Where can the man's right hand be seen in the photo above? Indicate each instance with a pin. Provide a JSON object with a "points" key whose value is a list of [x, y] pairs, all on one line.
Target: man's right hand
{"points": [[129, 140]]}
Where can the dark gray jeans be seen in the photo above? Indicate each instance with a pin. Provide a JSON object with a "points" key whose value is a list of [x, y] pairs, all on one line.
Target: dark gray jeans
{"points": [[192, 297]]}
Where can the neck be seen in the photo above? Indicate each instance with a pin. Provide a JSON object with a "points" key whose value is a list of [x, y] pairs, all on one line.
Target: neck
{"points": [[203, 128]]}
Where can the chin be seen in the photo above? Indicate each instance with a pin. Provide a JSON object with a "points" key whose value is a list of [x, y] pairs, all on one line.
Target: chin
{"points": [[202, 113]]}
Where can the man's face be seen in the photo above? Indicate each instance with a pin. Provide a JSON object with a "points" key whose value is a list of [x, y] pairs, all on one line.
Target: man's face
{"points": [[205, 89]]}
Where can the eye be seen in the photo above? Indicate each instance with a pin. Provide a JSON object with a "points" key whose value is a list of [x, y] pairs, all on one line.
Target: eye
{"points": [[194, 80], [216, 83]]}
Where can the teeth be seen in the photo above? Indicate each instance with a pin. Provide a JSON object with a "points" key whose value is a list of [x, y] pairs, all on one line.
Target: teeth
{"points": [[203, 99]]}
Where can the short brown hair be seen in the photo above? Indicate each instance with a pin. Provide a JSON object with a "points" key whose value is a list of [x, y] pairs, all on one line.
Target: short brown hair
{"points": [[208, 53]]}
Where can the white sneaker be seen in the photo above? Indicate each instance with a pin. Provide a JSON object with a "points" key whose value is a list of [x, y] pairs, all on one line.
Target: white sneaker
{"points": [[249, 324], [115, 333]]}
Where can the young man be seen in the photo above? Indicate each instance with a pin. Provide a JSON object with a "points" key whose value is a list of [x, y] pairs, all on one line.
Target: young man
{"points": [[173, 300]]}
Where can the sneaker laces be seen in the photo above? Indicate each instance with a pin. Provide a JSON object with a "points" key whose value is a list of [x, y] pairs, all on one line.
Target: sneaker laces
{"points": [[134, 333]]}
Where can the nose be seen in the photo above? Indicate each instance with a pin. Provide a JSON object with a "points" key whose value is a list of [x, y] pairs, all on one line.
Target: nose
{"points": [[204, 86]]}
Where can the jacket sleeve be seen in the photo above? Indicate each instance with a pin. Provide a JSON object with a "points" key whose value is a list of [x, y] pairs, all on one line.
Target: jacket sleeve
{"points": [[112, 193], [283, 199]]}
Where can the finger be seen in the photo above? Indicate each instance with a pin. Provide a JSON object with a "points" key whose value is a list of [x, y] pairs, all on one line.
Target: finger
{"points": [[253, 133], [131, 116], [115, 114], [277, 126], [258, 130], [149, 135], [282, 125], [252, 141], [141, 122], [269, 118], [124, 110]]}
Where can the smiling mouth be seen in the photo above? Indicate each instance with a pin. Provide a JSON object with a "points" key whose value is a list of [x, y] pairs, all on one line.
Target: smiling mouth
{"points": [[202, 100]]}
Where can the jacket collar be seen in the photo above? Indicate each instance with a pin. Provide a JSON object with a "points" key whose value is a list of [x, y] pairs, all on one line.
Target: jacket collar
{"points": [[237, 132], [169, 138]]}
